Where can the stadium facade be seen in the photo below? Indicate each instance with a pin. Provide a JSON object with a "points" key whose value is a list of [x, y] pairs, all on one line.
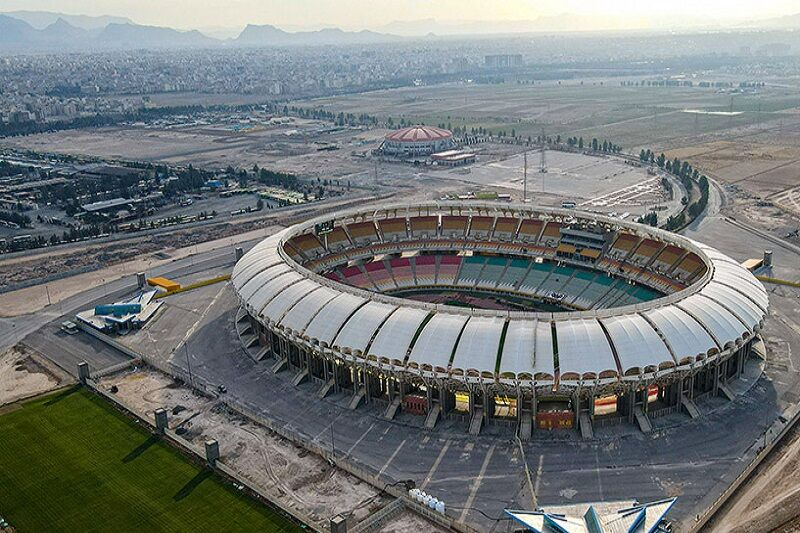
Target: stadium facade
{"points": [[512, 314], [417, 141]]}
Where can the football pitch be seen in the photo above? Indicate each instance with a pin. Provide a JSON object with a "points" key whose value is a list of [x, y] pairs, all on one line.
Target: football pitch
{"points": [[70, 462]]}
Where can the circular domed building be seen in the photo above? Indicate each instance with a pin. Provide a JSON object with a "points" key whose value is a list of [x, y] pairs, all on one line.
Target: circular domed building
{"points": [[513, 314], [417, 140]]}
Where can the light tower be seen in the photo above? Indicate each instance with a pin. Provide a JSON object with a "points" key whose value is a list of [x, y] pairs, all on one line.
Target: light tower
{"points": [[543, 161], [525, 176]]}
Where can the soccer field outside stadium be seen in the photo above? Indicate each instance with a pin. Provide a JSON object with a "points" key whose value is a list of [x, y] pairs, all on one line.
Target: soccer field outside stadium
{"points": [[71, 462]]}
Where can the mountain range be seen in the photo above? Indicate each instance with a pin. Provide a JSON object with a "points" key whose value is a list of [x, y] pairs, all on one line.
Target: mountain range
{"points": [[40, 31], [70, 33]]}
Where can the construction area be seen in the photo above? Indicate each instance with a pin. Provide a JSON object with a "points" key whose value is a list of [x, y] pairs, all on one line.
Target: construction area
{"points": [[293, 478]]}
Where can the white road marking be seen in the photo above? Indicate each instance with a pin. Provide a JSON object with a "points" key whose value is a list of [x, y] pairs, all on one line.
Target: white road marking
{"points": [[391, 458], [435, 465], [599, 477], [538, 474], [356, 443], [476, 483]]}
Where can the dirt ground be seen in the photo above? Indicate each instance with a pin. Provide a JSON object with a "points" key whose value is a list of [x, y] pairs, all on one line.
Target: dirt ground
{"points": [[770, 500], [290, 474], [24, 374]]}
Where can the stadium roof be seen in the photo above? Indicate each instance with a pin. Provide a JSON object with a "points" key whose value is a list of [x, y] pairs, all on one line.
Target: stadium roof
{"points": [[719, 312], [419, 134]]}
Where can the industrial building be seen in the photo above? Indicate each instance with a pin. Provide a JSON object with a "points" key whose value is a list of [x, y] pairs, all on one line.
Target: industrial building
{"points": [[417, 141], [122, 316], [573, 318]]}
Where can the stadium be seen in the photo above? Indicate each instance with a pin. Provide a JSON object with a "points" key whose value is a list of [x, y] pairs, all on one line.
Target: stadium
{"points": [[417, 141], [499, 314]]}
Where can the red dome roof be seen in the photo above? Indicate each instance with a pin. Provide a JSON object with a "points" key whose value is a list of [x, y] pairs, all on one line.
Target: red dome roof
{"points": [[419, 134]]}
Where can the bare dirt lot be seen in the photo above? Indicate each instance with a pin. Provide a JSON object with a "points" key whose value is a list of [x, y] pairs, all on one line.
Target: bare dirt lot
{"points": [[24, 374], [292, 476], [308, 148]]}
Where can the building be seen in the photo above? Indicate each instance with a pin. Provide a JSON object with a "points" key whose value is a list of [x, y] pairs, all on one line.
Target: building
{"points": [[122, 316], [453, 158], [535, 318], [417, 141], [503, 60]]}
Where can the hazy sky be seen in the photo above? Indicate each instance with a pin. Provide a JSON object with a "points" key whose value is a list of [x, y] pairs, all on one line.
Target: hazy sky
{"points": [[353, 14]]}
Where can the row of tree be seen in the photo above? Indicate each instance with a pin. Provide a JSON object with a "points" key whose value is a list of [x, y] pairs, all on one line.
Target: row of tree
{"points": [[14, 217], [689, 176]]}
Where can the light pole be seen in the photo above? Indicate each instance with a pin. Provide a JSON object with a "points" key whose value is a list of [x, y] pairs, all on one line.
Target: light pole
{"points": [[333, 445], [188, 363]]}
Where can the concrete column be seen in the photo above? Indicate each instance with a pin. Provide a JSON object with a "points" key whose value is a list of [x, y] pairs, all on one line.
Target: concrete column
{"points": [[576, 411], [161, 420], [716, 376], [471, 404], [141, 280], [83, 372], [212, 451], [367, 386], [767, 258], [238, 252], [338, 524], [631, 402], [336, 386]]}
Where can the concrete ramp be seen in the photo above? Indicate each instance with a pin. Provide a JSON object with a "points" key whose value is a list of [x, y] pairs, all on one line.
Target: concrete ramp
{"points": [[355, 401], [690, 407], [585, 422], [325, 389], [433, 416], [476, 423], [281, 364], [249, 340], [299, 377], [245, 328], [642, 420], [392, 408], [729, 394], [525, 426], [241, 315], [262, 353]]}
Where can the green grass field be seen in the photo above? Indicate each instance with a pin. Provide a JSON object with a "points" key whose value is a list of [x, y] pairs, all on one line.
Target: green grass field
{"points": [[71, 462]]}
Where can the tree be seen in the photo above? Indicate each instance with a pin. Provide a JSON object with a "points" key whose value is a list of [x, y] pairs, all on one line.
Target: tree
{"points": [[580, 143], [594, 144]]}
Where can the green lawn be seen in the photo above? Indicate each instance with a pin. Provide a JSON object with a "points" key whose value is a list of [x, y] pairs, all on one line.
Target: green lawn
{"points": [[71, 462]]}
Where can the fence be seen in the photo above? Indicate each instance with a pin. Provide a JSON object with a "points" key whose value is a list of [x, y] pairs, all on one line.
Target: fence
{"points": [[658, 413]]}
